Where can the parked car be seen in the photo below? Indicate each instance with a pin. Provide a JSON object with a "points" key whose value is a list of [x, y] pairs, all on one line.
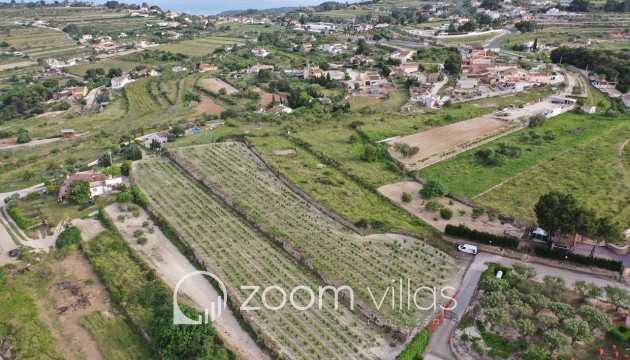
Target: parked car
{"points": [[15, 252], [468, 249]]}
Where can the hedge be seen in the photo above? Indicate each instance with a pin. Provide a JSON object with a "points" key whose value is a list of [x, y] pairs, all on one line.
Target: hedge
{"points": [[602, 263], [620, 332], [463, 231], [69, 237], [21, 220], [416, 347]]}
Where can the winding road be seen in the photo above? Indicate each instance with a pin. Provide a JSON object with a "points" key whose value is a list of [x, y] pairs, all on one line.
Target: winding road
{"points": [[439, 345]]}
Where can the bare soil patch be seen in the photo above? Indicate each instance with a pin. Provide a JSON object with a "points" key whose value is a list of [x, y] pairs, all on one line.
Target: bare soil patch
{"points": [[267, 98], [215, 85], [284, 152], [81, 298], [417, 208], [89, 228], [441, 141]]}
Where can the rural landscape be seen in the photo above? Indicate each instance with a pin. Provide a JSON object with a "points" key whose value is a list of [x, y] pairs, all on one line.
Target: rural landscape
{"points": [[382, 179]]}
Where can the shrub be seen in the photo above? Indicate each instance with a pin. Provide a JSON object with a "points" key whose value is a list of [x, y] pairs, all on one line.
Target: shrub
{"points": [[433, 188], [621, 332], [481, 237], [21, 220], [602, 263], [433, 205], [406, 197], [69, 237], [142, 240], [138, 233], [416, 347], [124, 197], [477, 211], [446, 213]]}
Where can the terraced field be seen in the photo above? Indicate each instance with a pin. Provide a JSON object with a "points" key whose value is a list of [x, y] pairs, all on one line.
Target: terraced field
{"points": [[369, 265], [144, 99], [43, 43], [239, 255]]}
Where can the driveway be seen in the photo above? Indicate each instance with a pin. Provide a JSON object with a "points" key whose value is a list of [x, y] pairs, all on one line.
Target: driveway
{"points": [[160, 253], [439, 345]]}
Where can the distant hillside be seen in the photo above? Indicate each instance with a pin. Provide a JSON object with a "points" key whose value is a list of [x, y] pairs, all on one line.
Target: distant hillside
{"points": [[248, 12]]}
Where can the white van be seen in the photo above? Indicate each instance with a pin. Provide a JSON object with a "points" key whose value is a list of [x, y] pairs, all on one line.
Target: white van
{"points": [[468, 249]]}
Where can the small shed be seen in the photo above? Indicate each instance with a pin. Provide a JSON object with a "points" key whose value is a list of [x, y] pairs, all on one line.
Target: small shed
{"points": [[589, 109], [68, 133]]}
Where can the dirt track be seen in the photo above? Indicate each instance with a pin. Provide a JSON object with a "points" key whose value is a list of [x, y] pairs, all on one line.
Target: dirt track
{"points": [[171, 266], [439, 141]]}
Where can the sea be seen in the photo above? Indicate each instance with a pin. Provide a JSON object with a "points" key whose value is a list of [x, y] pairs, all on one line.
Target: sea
{"points": [[213, 7]]}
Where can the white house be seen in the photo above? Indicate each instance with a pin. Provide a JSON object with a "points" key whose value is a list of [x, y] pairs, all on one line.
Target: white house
{"points": [[279, 109], [260, 52], [161, 137], [120, 82], [402, 55], [100, 184]]}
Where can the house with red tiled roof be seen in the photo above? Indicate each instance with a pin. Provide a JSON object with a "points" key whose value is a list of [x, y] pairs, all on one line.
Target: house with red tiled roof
{"points": [[100, 184]]}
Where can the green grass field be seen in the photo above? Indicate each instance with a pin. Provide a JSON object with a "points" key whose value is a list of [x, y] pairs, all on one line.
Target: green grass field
{"points": [[200, 46], [526, 177], [20, 324], [594, 171], [115, 337]]}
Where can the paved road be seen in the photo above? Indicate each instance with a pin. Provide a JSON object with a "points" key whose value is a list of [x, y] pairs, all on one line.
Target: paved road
{"points": [[495, 43], [440, 340]]}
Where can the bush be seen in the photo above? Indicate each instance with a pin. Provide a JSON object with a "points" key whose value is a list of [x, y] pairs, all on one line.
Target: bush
{"points": [[481, 237], [477, 211], [620, 332], [446, 213], [69, 237], [433, 205], [602, 263], [433, 188], [124, 197], [21, 220], [406, 197], [416, 347], [142, 240], [138, 233]]}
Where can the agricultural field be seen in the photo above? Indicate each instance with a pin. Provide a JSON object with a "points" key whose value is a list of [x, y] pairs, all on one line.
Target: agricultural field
{"points": [[215, 85], [597, 171], [201, 46], [392, 103], [335, 252], [42, 43], [239, 255], [340, 193], [574, 154], [440, 141]]}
